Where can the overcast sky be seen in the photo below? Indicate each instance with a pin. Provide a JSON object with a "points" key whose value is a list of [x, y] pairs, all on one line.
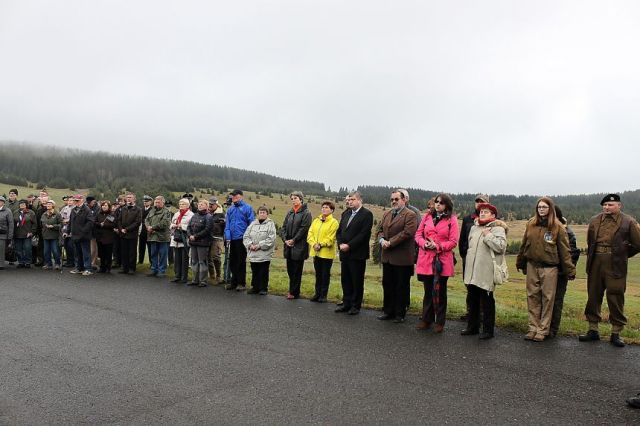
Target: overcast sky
{"points": [[462, 96]]}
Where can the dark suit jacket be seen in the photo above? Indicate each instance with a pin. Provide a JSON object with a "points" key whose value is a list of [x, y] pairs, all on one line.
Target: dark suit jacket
{"points": [[357, 234], [399, 231]]}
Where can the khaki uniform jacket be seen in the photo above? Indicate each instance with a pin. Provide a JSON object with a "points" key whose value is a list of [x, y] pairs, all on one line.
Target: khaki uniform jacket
{"points": [[625, 243], [541, 246]]}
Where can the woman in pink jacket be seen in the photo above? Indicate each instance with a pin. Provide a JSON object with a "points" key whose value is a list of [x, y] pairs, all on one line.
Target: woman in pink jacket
{"points": [[436, 237]]}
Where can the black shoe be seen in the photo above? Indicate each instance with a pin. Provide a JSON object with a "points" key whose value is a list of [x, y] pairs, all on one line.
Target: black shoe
{"points": [[340, 303], [263, 292], [131, 273], [123, 272], [342, 309], [616, 341], [314, 299], [322, 300], [385, 317], [202, 285], [634, 402], [464, 317], [485, 336], [353, 311], [469, 332], [176, 280], [591, 336], [192, 284], [399, 320], [252, 291]]}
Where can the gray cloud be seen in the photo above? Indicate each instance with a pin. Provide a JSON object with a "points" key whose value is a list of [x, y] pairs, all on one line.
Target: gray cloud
{"points": [[497, 96]]}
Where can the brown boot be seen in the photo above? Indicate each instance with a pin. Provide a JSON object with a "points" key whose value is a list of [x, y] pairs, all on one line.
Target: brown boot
{"points": [[217, 265], [439, 328], [423, 325]]}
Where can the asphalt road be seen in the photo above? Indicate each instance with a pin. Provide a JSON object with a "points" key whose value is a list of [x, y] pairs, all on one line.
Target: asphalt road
{"points": [[134, 350]]}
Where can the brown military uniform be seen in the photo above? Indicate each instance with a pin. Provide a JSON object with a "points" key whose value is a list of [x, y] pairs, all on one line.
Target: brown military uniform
{"points": [[611, 240]]}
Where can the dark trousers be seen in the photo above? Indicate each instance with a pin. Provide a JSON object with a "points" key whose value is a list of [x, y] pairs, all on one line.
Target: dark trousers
{"points": [[396, 283], [105, 253], [260, 275], [181, 263], [434, 304], [323, 276], [481, 301], [558, 303], [117, 256], [69, 253], [23, 250], [128, 253], [51, 249], [82, 250], [352, 280], [294, 270], [142, 246], [238, 263]]}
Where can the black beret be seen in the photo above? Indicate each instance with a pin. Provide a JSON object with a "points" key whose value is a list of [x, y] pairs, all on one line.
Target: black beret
{"points": [[610, 197]]}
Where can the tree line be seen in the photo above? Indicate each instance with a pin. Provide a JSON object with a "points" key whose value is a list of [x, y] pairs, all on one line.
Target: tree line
{"points": [[108, 175]]}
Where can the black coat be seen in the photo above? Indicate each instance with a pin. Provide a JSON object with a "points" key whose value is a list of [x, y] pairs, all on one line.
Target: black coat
{"points": [[130, 218], [103, 230], [357, 234], [201, 227], [81, 223], [296, 227]]}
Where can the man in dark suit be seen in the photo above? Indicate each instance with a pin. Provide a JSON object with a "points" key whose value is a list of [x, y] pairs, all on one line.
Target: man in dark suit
{"points": [[353, 238], [147, 202]]}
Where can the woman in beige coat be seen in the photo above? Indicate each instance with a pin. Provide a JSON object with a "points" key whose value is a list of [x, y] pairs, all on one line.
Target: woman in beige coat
{"points": [[488, 235]]}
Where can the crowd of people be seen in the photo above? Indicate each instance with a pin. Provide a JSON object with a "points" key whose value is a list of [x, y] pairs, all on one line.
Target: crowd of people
{"points": [[99, 236]]}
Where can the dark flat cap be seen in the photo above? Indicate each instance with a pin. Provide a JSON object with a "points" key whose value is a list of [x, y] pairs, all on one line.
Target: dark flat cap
{"points": [[610, 197], [236, 192]]}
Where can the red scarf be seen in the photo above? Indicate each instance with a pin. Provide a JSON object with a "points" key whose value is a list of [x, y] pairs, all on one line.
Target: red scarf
{"points": [[485, 221], [181, 215]]}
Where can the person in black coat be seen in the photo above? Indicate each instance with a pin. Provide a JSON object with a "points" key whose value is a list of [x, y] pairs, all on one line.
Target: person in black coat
{"points": [[200, 234], [81, 229], [353, 238], [294, 234], [147, 202], [128, 224], [103, 231]]}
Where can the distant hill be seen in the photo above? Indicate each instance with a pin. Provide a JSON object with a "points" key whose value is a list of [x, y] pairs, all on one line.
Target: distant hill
{"points": [[108, 175]]}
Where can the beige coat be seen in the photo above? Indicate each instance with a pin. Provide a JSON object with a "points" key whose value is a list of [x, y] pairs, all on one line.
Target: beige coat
{"points": [[479, 263]]}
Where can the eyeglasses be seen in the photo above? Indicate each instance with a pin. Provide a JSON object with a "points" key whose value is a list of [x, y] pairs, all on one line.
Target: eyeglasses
{"points": [[439, 202], [395, 199], [543, 207]]}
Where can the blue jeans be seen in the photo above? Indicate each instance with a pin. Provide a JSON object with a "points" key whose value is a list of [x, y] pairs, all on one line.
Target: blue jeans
{"points": [[82, 249], [23, 250], [158, 253], [51, 247]]}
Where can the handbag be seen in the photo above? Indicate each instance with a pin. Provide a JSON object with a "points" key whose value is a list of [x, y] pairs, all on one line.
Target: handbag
{"points": [[500, 272], [35, 240], [180, 236]]}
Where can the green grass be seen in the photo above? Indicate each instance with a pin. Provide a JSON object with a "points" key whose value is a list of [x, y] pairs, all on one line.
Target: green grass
{"points": [[511, 301]]}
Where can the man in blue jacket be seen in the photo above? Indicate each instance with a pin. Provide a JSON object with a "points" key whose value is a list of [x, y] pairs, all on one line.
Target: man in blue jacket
{"points": [[239, 216]]}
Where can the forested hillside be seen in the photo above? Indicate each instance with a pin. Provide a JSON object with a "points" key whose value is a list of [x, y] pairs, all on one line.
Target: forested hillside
{"points": [[108, 175]]}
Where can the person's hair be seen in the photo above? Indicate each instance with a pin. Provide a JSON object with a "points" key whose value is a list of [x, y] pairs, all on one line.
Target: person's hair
{"points": [[356, 194], [107, 202], [203, 201], [431, 203], [120, 198], [404, 192], [263, 209], [297, 194], [329, 204], [130, 193], [52, 202], [161, 198], [184, 201], [552, 223], [446, 200], [559, 215], [399, 191]]}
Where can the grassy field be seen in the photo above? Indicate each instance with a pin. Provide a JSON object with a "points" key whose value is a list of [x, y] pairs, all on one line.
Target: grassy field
{"points": [[511, 303]]}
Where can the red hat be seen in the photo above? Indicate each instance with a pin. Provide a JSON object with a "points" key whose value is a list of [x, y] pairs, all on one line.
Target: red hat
{"points": [[487, 206]]}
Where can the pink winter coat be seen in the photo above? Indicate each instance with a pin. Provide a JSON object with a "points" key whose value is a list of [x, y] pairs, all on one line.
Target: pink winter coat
{"points": [[445, 235]]}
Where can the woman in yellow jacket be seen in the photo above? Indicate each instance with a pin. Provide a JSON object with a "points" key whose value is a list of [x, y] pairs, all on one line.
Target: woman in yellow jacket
{"points": [[322, 246]]}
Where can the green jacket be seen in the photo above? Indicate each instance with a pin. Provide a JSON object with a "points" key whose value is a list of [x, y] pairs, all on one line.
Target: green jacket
{"points": [[159, 220], [30, 225], [13, 206], [56, 221]]}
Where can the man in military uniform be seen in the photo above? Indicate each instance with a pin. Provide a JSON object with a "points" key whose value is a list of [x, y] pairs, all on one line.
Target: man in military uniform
{"points": [[612, 238]]}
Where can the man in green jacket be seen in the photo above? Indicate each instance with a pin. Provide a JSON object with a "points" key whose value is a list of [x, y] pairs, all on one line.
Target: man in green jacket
{"points": [[157, 225]]}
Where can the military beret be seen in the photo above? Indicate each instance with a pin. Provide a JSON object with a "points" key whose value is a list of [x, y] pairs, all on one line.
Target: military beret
{"points": [[609, 198], [187, 195]]}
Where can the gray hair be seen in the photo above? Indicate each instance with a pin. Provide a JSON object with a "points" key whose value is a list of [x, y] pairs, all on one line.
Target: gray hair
{"points": [[297, 194]]}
